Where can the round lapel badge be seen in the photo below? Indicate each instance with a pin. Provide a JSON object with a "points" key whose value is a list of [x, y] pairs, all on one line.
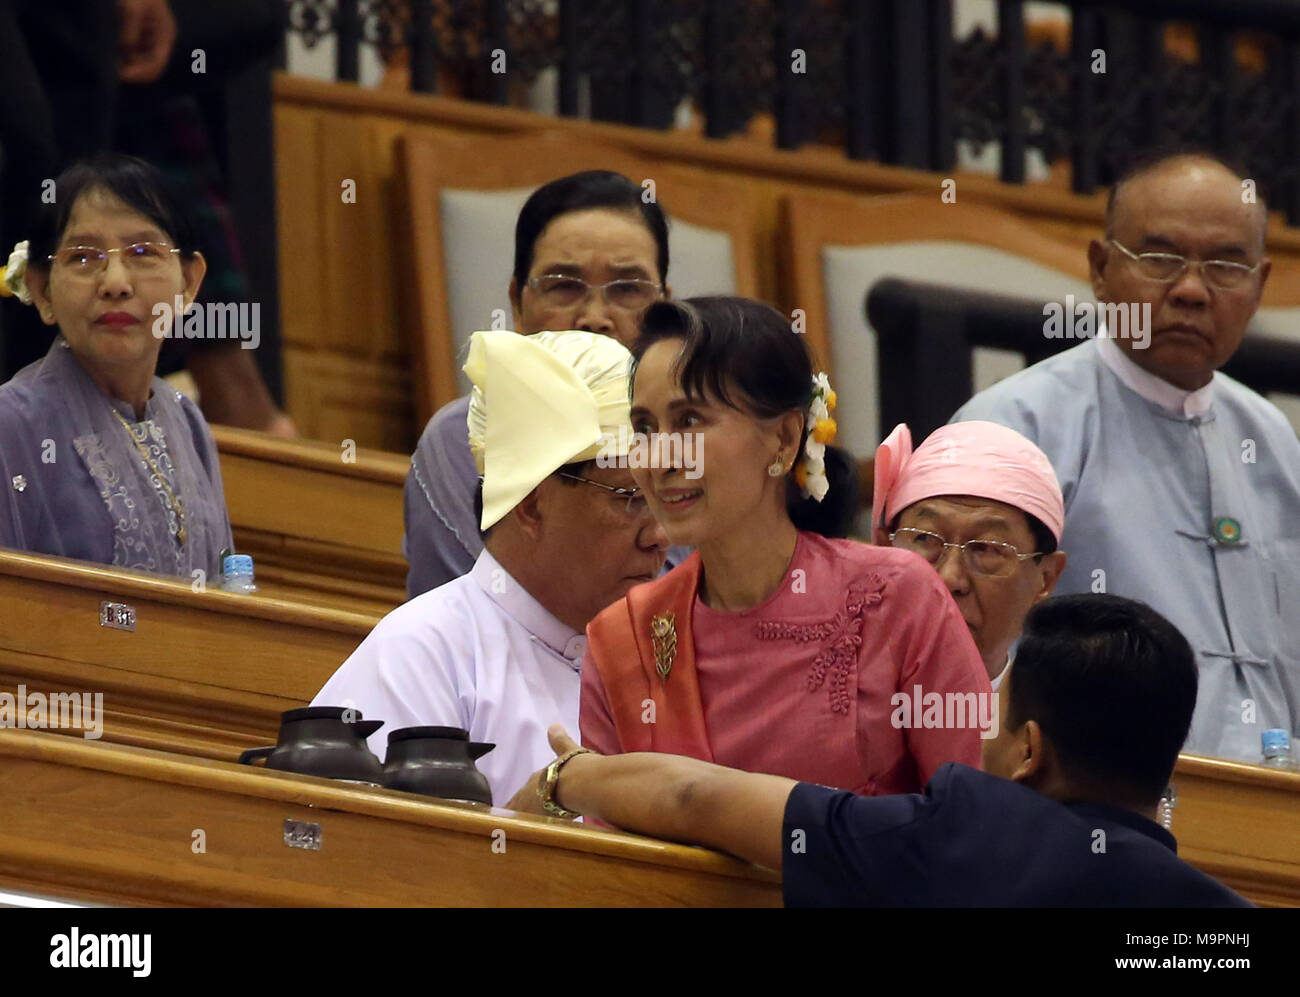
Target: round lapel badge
{"points": [[1227, 530]]}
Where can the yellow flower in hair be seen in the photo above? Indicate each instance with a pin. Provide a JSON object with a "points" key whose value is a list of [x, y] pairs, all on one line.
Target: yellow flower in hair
{"points": [[801, 474], [830, 398], [824, 430]]}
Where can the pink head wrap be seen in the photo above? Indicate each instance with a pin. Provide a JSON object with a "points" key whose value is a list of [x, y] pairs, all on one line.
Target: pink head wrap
{"points": [[982, 459]]}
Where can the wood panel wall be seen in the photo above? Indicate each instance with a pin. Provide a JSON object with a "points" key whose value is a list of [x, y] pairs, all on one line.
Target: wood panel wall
{"points": [[347, 373]]}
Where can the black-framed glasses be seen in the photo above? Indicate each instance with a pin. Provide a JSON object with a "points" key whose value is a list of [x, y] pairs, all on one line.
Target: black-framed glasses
{"points": [[981, 557], [636, 504], [144, 257], [562, 290], [1170, 267]]}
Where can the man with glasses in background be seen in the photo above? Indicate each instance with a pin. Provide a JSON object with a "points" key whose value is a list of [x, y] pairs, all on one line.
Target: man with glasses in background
{"points": [[982, 505], [497, 651], [1182, 486]]}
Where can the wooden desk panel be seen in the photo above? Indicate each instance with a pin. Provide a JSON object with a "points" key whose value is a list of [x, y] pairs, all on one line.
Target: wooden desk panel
{"points": [[105, 823], [115, 824], [205, 673], [315, 523], [1241, 824]]}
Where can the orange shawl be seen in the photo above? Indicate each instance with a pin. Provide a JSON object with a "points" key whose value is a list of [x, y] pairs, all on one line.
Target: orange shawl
{"points": [[622, 647]]}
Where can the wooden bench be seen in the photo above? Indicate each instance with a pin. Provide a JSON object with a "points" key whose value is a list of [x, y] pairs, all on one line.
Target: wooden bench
{"points": [[1241, 824], [203, 673], [103, 823], [316, 524]]}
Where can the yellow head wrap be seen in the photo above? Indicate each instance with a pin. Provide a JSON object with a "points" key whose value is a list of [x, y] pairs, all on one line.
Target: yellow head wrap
{"points": [[540, 402]]}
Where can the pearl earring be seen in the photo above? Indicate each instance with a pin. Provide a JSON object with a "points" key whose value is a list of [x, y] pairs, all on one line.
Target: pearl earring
{"points": [[776, 468]]}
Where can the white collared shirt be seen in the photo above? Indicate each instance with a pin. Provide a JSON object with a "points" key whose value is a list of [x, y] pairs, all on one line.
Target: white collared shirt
{"points": [[1155, 389], [478, 653]]}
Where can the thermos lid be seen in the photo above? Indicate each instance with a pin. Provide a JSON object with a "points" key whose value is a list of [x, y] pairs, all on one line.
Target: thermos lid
{"points": [[409, 733], [320, 713]]}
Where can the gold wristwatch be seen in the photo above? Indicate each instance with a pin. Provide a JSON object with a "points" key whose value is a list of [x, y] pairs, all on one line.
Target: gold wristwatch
{"points": [[547, 788]]}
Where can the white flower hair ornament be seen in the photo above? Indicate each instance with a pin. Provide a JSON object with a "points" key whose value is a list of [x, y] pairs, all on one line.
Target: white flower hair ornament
{"points": [[810, 472], [13, 276]]}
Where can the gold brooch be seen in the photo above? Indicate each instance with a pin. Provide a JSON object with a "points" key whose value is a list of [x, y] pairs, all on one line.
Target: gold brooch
{"points": [[663, 632]]}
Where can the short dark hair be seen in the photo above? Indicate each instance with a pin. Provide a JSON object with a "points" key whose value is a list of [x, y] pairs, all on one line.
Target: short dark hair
{"points": [[138, 184], [1152, 159], [580, 192], [746, 355], [1112, 684], [1044, 539]]}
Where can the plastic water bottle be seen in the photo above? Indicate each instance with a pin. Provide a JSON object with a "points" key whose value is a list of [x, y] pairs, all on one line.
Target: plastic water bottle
{"points": [[237, 574], [1277, 750]]}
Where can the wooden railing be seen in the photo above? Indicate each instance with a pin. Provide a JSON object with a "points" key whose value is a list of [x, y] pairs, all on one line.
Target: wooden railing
{"points": [[103, 823], [888, 80], [202, 673]]}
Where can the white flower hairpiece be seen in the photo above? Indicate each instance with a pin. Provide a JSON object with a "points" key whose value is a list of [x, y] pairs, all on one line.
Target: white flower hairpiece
{"points": [[15, 274], [810, 475]]}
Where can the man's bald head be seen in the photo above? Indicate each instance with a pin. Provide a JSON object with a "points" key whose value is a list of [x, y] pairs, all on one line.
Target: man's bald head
{"points": [[1195, 206], [1162, 168]]}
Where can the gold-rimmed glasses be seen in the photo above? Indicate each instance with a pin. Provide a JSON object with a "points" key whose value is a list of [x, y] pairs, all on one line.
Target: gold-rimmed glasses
{"points": [[564, 290], [981, 557], [636, 505], [1167, 268], [142, 257]]}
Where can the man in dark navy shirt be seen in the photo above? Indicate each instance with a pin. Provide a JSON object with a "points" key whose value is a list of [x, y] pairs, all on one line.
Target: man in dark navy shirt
{"points": [[1091, 719]]}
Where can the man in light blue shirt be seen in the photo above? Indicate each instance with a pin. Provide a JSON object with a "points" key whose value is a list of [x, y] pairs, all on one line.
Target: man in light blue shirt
{"points": [[1181, 485]]}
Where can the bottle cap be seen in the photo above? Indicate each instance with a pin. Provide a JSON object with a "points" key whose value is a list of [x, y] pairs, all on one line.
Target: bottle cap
{"points": [[237, 564], [1274, 739]]}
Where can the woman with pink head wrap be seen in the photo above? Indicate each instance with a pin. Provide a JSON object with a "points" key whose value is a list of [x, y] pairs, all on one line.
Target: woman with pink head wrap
{"points": [[982, 504]]}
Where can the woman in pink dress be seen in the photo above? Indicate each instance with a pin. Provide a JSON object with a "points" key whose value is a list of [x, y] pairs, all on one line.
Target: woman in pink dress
{"points": [[775, 647]]}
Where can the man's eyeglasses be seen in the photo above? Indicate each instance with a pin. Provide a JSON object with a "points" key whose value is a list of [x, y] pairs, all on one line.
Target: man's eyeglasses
{"points": [[981, 557], [635, 505], [143, 257], [1170, 267], [563, 290]]}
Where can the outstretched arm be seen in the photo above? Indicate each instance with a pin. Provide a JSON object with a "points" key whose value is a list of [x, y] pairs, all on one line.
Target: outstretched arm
{"points": [[678, 799]]}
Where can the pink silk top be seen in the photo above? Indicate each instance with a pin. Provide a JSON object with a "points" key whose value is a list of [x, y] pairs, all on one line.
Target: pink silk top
{"points": [[801, 684]]}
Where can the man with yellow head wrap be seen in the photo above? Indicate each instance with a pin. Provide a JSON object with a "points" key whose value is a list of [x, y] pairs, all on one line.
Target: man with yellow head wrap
{"points": [[497, 652]]}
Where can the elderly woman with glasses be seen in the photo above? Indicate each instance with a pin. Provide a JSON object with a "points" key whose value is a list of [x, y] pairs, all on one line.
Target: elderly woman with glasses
{"points": [[590, 255], [981, 504], [100, 460]]}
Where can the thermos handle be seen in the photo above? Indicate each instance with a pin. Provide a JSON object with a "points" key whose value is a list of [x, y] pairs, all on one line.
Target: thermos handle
{"points": [[252, 754]]}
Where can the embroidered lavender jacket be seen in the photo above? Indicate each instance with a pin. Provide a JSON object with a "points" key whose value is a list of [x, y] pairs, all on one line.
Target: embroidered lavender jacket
{"points": [[73, 483]]}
